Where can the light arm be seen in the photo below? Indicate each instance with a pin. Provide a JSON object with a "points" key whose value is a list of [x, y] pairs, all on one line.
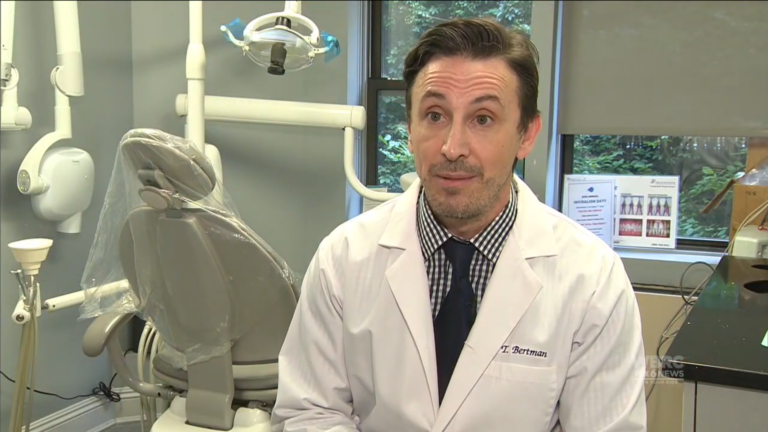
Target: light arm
{"points": [[195, 71], [306, 114], [293, 7], [67, 80], [349, 171], [276, 112]]}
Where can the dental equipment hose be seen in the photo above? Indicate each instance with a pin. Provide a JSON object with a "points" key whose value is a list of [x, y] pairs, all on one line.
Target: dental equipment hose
{"points": [[149, 346], [146, 414], [25, 369]]}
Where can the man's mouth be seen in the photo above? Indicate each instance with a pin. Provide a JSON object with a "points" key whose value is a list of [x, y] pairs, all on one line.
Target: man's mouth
{"points": [[456, 176], [450, 180]]}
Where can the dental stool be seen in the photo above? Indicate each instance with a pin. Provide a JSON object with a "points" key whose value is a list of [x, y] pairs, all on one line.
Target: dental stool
{"points": [[220, 297]]}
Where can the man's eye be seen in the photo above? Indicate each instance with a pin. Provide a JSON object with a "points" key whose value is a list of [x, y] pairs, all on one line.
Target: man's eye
{"points": [[435, 117], [483, 120]]}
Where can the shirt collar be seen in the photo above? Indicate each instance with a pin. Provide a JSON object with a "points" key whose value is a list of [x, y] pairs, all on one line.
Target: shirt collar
{"points": [[489, 242]]}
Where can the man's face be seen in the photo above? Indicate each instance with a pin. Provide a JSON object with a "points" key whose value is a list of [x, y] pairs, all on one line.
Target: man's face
{"points": [[465, 136]]}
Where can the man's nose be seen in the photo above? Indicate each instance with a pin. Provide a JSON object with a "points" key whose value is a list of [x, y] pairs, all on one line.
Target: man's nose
{"points": [[456, 142]]}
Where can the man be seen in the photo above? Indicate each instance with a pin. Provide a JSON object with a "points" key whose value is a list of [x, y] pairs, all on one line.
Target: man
{"points": [[465, 304]]}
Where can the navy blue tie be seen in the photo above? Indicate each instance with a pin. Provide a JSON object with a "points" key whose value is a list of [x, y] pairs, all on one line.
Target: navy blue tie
{"points": [[456, 314]]}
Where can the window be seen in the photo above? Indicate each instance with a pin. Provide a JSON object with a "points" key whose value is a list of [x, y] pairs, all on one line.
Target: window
{"points": [[395, 27], [704, 164], [647, 68]]}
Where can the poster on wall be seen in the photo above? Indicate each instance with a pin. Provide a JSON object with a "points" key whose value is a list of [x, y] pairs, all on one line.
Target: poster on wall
{"points": [[591, 204], [645, 208]]}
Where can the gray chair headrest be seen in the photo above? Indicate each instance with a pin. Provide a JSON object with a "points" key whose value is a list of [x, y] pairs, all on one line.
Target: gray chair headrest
{"points": [[171, 160]]}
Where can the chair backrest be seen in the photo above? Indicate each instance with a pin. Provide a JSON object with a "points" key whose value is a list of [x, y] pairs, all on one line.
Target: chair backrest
{"points": [[207, 281], [210, 282]]}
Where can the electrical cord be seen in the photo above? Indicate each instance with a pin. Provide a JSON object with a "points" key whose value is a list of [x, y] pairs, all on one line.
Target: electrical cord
{"points": [[682, 279], [683, 311], [102, 389]]}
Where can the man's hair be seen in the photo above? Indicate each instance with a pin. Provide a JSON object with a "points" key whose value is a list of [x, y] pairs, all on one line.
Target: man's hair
{"points": [[479, 39]]}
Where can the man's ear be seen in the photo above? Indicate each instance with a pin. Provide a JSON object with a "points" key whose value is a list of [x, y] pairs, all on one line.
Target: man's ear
{"points": [[529, 138], [410, 145]]}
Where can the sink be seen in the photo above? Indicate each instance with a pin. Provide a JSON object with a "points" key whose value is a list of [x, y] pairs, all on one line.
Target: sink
{"points": [[758, 286]]}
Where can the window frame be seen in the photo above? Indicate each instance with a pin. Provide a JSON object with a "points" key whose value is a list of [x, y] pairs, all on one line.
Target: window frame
{"points": [[375, 84]]}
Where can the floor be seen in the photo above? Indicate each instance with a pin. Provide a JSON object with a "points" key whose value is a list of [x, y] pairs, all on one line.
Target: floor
{"points": [[124, 427]]}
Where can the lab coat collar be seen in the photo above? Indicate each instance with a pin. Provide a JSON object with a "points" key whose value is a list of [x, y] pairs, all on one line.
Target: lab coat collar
{"points": [[511, 289], [534, 236]]}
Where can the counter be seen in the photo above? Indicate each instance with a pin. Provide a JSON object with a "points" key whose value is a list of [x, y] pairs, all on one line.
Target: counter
{"points": [[719, 351]]}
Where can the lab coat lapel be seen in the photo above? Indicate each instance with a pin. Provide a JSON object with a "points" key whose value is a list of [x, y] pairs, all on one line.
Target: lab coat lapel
{"points": [[407, 278], [510, 291]]}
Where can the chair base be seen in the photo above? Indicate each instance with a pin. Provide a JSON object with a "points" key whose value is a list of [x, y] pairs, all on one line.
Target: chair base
{"points": [[174, 419]]}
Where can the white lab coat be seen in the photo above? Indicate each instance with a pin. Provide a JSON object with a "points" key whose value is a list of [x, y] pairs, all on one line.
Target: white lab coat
{"points": [[556, 345]]}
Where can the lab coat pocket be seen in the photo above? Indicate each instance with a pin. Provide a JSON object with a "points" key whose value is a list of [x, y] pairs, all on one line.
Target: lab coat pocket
{"points": [[523, 396], [516, 372]]}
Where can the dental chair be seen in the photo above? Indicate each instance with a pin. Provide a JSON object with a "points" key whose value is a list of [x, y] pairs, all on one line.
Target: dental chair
{"points": [[220, 297]]}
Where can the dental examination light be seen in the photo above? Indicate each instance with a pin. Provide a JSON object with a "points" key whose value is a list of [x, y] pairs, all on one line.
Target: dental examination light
{"points": [[278, 49], [272, 42], [14, 117], [61, 181]]}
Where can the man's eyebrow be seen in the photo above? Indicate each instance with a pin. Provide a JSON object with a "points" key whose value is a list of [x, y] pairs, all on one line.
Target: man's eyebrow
{"points": [[432, 94], [487, 98]]}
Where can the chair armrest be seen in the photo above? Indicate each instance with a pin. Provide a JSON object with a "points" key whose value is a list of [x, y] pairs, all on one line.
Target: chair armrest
{"points": [[103, 333], [102, 329]]}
